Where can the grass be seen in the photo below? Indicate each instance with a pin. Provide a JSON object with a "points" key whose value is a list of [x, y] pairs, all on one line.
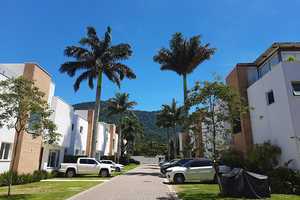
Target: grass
{"points": [[194, 190], [56, 189], [46, 190]]}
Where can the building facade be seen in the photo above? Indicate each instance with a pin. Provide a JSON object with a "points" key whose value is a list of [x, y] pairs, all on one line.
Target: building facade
{"points": [[272, 86], [75, 128]]}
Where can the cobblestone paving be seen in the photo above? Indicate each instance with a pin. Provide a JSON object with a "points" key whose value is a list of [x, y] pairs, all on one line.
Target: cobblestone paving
{"points": [[142, 183]]}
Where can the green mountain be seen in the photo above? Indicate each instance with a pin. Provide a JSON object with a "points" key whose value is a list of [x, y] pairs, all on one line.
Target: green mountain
{"points": [[147, 118]]}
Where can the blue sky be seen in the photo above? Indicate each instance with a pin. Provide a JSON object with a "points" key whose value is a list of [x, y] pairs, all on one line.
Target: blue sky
{"points": [[39, 31]]}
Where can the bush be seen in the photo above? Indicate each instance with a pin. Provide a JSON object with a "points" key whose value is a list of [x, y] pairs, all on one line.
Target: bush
{"points": [[285, 180], [71, 158], [233, 157], [108, 158], [261, 157]]}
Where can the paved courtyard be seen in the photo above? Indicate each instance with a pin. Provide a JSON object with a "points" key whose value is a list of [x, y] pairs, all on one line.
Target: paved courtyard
{"points": [[143, 183]]}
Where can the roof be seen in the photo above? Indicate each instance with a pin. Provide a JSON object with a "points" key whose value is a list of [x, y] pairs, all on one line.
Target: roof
{"points": [[273, 48]]}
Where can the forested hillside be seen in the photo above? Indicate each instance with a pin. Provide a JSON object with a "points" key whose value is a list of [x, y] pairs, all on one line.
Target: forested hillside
{"points": [[147, 118]]}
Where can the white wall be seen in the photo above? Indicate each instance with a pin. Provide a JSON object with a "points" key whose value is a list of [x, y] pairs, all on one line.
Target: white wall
{"points": [[281, 118], [12, 70], [103, 140], [62, 117], [78, 139]]}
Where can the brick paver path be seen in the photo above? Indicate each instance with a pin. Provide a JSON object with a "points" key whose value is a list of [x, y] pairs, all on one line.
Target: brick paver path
{"points": [[143, 183]]}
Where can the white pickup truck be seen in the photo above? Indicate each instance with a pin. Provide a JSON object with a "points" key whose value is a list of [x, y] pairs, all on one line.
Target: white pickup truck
{"points": [[86, 166]]}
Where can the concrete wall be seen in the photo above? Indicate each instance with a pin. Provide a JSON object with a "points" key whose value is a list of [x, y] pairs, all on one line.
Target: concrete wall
{"points": [[281, 118]]}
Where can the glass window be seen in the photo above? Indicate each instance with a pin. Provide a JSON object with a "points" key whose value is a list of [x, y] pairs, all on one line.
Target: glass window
{"points": [[270, 97], [81, 129], [34, 118], [77, 152], [53, 158], [286, 55], [5, 151], [83, 161], [91, 162], [296, 88], [274, 61], [83, 153]]}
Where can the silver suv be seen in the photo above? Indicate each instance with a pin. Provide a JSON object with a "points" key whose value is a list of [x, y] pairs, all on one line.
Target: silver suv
{"points": [[118, 167], [200, 169]]}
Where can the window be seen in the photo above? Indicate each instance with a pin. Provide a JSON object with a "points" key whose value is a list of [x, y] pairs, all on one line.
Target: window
{"points": [[83, 152], [296, 88], [53, 158], [5, 151], [77, 152], [34, 118], [270, 97], [72, 127], [237, 127], [92, 162], [113, 144], [81, 129], [83, 161]]}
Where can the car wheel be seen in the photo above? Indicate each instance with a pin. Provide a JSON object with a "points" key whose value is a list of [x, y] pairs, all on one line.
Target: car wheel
{"points": [[70, 173], [104, 173], [118, 169], [178, 178]]}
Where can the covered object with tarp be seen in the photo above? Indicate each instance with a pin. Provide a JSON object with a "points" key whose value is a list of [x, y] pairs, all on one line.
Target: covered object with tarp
{"points": [[239, 183]]}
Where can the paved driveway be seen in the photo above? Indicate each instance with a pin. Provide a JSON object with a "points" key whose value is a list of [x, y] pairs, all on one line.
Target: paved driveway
{"points": [[143, 183]]}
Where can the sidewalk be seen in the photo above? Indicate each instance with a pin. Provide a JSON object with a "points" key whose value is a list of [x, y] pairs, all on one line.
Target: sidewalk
{"points": [[142, 183]]}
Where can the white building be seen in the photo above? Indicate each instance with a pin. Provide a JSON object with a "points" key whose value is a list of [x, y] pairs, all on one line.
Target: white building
{"points": [[272, 86], [75, 128]]}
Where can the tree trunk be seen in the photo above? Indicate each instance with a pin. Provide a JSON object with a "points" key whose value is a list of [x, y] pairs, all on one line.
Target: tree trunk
{"points": [[13, 163], [119, 143], [168, 142], [96, 116], [174, 142]]}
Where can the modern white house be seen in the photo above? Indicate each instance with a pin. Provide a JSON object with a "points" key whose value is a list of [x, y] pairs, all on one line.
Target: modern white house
{"points": [[272, 86], [74, 126]]}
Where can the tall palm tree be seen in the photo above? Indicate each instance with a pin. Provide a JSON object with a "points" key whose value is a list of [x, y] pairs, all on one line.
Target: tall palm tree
{"points": [[120, 105], [183, 57], [131, 127], [174, 117], [97, 57], [163, 120]]}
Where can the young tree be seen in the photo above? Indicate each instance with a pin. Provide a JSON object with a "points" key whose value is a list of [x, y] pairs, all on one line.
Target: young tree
{"points": [[97, 57], [216, 104], [120, 105], [22, 108]]}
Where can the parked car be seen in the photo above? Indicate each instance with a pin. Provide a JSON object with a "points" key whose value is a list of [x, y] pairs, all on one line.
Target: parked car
{"points": [[172, 161], [118, 167], [86, 166], [179, 162], [134, 161], [199, 169]]}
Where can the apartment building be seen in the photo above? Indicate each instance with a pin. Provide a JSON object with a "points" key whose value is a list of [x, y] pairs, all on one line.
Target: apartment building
{"points": [[75, 128], [272, 86]]}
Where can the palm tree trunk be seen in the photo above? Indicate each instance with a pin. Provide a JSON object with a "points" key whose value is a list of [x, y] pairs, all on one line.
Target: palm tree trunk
{"points": [[186, 112], [96, 116], [168, 142], [174, 141], [119, 143]]}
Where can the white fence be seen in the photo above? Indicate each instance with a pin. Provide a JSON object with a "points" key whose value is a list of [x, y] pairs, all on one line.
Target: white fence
{"points": [[149, 160]]}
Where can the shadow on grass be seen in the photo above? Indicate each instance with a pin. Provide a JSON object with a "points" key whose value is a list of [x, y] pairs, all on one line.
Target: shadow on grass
{"points": [[186, 195], [18, 196]]}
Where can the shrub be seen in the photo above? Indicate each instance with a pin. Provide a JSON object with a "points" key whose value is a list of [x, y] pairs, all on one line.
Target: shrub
{"points": [[261, 157], [233, 157], [71, 158], [291, 58], [285, 180]]}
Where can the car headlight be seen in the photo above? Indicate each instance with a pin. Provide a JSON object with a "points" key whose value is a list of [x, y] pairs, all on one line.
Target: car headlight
{"points": [[112, 167], [169, 170]]}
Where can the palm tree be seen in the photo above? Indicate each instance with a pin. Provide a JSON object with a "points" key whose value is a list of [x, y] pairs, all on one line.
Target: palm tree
{"points": [[120, 105], [131, 127], [163, 120], [183, 57], [97, 57], [174, 117]]}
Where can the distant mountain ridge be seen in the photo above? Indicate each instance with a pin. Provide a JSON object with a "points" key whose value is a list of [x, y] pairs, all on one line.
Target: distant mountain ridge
{"points": [[147, 118]]}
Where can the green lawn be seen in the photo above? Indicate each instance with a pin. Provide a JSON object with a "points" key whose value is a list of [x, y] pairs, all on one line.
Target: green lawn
{"points": [[47, 190], [56, 189], [194, 190]]}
